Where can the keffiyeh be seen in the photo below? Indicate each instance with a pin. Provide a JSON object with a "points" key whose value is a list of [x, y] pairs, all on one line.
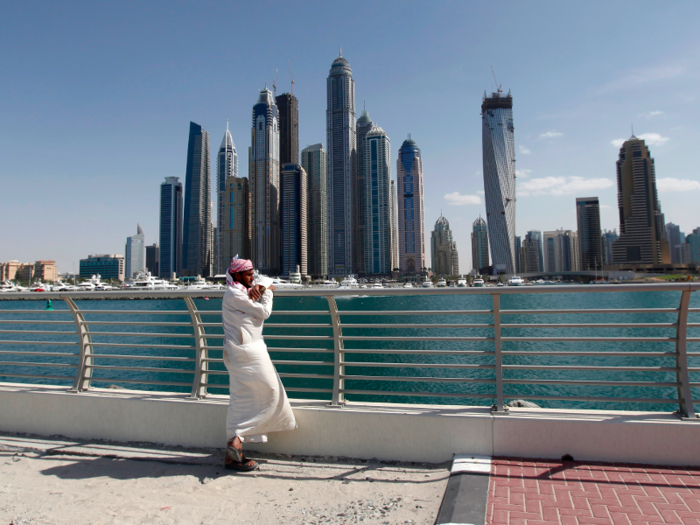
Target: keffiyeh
{"points": [[237, 265]]}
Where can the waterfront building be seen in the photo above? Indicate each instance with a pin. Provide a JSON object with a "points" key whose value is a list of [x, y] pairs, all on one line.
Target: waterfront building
{"points": [[170, 240], [197, 226], [443, 249], [532, 258], [288, 108], [364, 125], [409, 179], [108, 266], [13, 269], [589, 235], [236, 220], [480, 245], [294, 219], [226, 166], [607, 240], [561, 251], [377, 201], [46, 271], [313, 160], [499, 178], [342, 165], [642, 233], [676, 243], [135, 250], [264, 169], [152, 258], [394, 228], [693, 247]]}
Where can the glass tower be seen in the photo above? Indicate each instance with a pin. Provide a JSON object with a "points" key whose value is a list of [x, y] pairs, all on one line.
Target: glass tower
{"points": [[135, 259], [480, 245], [499, 178], [377, 201], [227, 166], [288, 107], [293, 219], [589, 236], [313, 160], [409, 179], [170, 256], [364, 124], [236, 220], [443, 249], [342, 165]]}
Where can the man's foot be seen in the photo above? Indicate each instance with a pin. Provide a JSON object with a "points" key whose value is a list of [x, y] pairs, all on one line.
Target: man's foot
{"points": [[235, 460]]}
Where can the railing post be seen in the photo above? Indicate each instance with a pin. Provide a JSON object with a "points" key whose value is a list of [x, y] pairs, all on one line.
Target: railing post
{"points": [[338, 398], [84, 372], [199, 387], [499, 407], [685, 396]]}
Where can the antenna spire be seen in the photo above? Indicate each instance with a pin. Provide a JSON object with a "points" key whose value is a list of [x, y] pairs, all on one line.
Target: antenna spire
{"points": [[341, 52], [632, 129], [226, 124]]}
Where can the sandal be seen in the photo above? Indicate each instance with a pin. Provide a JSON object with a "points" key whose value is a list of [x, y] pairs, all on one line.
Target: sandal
{"points": [[233, 453], [242, 466]]}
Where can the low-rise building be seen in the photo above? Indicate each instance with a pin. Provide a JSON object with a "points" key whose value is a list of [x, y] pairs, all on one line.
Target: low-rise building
{"points": [[26, 271], [109, 266]]}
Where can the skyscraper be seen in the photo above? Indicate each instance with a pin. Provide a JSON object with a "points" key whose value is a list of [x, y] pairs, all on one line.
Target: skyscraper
{"points": [[152, 259], [693, 247], [443, 249], [531, 257], [499, 178], [364, 124], [293, 219], [409, 178], [342, 165], [236, 219], [561, 251], [227, 166], [589, 235], [607, 239], [170, 228], [264, 169], [288, 108], [518, 245], [394, 228], [135, 253], [313, 160], [197, 227], [480, 245], [377, 205], [676, 243], [642, 236]]}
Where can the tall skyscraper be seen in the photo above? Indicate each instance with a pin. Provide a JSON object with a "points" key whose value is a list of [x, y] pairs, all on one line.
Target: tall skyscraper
{"points": [[531, 257], [409, 178], [499, 178], [135, 253], [561, 251], [589, 235], [342, 165], [607, 240], [313, 160], [642, 235], [227, 166], [377, 205], [264, 168], [170, 239], [294, 219], [693, 247], [676, 243], [443, 249], [197, 227], [152, 259], [236, 219], [288, 108], [480, 245], [364, 124], [394, 228]]}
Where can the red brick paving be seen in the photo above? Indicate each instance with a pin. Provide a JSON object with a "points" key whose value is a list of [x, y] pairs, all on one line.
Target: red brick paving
{"points": [[576, 493]]}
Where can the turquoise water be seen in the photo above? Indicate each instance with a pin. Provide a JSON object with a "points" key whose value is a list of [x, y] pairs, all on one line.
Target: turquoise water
{"points": [[432, 392]]}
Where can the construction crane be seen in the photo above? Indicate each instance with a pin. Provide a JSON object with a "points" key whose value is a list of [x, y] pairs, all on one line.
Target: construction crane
{"points": [[274, 84], [498, 86], [290, 74]]}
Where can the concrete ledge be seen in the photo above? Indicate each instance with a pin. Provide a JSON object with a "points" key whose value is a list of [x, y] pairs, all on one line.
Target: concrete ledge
{"points": [[423, 433]]}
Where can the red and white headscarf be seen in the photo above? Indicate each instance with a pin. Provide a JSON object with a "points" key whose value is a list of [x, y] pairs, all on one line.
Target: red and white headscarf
{"points": [[237, 265]]}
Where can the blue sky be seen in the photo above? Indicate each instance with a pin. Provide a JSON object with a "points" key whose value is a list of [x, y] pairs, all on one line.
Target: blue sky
{"points": [[96, 100]]}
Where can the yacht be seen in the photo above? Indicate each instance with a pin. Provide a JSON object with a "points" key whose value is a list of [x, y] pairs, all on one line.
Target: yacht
{"points": [[60, 286], [38, 286], [461, 283], [441, 282], [7, 286], [478, 282], [427, 283], [330, 284], [516, 281], [408, 285], [201, 284], [349, 282], [378, 284], [148, 282], [282, 284]]}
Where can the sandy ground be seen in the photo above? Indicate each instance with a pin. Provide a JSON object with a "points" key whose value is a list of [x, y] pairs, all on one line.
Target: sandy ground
{"points": [[45, 481]]}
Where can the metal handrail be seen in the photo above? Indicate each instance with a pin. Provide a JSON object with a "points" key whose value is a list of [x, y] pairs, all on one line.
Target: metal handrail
{"points": [[204, 337]]}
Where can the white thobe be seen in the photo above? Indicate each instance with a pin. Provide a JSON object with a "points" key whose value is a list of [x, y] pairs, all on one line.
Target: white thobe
{"points": [[258, 403]]}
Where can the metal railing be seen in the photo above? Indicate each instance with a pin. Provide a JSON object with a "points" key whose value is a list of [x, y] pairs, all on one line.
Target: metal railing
{"points": [[353, 353]]}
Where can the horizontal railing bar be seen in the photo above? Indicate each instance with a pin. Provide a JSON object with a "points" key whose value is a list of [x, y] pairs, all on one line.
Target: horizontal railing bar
{"points": [[401, 338], [43, 332], [595, 339], [306, 376], [142, 334], [419, 379], [415, 312], [407, 325], [56, 311], [142, 369], [287, 388], [282, 362], [587, 353], [596, 368], [591, 325], [416, 352], [592, 398], [138, 345], [24, 363], [413, 394], [140, 312], [35, 321], [148, 357], [18, 342], [139, 381], [53, 354], [300, 312], [583, 382], [135, 323], [297, 325], [594, 311], [413, 365], [67, 378], [307, 337]]}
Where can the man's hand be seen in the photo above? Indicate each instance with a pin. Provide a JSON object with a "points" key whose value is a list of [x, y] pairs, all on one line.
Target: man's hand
{"points": [[272, 288], [255, 293]]}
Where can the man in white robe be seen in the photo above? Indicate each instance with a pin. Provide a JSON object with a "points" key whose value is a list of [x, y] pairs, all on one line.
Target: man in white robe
{"points": [[258, 403]]}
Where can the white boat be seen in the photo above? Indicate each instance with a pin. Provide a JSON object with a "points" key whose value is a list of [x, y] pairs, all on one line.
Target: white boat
{"points": [[282, 284], [349, 282], [427, 284], [60, 286], [148, 282], [330, 284], [377, 285], [7, 286], [516, 281], [201, 284], [408, 285], [461, 283], [478, 282], [500, 284], [441, 282], [38, 286]]}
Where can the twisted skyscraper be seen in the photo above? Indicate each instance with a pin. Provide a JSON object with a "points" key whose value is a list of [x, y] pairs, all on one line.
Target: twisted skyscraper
{"points": [[499, 178]]}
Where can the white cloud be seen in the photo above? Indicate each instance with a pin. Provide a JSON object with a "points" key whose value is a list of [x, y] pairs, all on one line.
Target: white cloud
{"points": [[561, 186], [605, 207], [524, 150], [480, 192], [551, 134], [458, 199], [522, 173], [651, 139], [669, 184], [652, 114]]}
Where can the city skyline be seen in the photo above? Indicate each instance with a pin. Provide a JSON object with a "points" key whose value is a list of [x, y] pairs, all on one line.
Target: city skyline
{"points": [[569, 111]]}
